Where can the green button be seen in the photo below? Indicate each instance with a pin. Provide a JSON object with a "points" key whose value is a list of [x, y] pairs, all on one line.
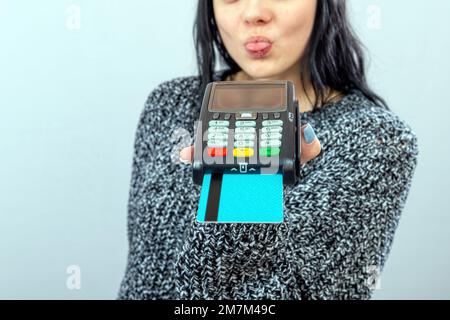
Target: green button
{"points": [[269, 152]]}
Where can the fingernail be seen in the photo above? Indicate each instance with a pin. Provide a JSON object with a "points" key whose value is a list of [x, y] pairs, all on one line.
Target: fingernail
{"points": [[184, 161], [309, 134]]}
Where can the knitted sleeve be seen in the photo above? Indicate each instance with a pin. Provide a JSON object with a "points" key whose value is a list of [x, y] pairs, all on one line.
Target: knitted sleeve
{"points": [[343, 215], [143, 160]]}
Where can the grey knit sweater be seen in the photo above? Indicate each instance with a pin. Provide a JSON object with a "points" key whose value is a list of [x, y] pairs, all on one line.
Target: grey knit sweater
{"points": [[339, 224]]}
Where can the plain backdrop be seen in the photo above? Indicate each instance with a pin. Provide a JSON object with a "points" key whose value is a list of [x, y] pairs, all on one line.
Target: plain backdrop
{"points": [[74, 77]]}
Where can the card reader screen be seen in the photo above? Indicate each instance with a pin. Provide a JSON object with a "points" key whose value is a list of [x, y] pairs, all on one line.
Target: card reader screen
{"points": [[248, 97]]}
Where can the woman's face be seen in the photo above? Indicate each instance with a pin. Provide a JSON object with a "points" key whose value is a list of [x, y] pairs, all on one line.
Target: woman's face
{"points": [[287, 24]]}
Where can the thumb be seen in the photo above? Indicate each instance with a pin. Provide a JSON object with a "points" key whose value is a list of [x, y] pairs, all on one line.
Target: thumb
{"points": [[187, 154], [310, 144]]}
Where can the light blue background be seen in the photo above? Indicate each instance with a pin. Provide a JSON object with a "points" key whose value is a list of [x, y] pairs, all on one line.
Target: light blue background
{"points": [[69, 106]]}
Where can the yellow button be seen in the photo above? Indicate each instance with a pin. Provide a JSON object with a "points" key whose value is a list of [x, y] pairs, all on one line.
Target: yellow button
{"points": [[243, 152]]}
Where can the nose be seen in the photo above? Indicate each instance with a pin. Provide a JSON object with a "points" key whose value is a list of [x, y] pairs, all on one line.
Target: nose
{"points": [[257, 13]]}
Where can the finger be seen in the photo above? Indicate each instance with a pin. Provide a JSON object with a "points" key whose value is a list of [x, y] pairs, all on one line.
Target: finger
{"points": [[187, 154], [310, 144]]}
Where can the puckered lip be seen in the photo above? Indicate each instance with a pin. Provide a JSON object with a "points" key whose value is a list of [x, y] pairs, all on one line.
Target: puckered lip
{"points": [[258, 39]]}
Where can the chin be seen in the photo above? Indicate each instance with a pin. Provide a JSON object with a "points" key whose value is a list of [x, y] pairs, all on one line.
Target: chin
{"points": [[260, 72]]}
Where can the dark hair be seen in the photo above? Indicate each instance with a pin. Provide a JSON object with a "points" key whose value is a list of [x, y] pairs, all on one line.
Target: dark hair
{"points": [[334, 56]]}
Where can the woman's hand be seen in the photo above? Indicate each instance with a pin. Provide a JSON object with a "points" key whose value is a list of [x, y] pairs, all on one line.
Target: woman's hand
{"points": [[310, 147]]}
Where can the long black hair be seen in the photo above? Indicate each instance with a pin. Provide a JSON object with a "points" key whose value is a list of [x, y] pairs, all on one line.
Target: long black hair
{"points": [[334, 57]]}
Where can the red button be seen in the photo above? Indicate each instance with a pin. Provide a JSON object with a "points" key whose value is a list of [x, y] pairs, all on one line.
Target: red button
{"points": [[217, 152]]}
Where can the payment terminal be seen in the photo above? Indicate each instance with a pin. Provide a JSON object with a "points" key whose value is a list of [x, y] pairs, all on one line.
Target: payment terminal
{"points": [[247, 131]]}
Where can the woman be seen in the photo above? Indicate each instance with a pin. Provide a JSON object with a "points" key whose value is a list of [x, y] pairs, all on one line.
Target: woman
{"points": [[340, 218]]}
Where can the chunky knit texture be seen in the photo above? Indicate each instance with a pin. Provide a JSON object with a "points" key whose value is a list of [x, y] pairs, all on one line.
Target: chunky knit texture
{"points": [[340, 219]]}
